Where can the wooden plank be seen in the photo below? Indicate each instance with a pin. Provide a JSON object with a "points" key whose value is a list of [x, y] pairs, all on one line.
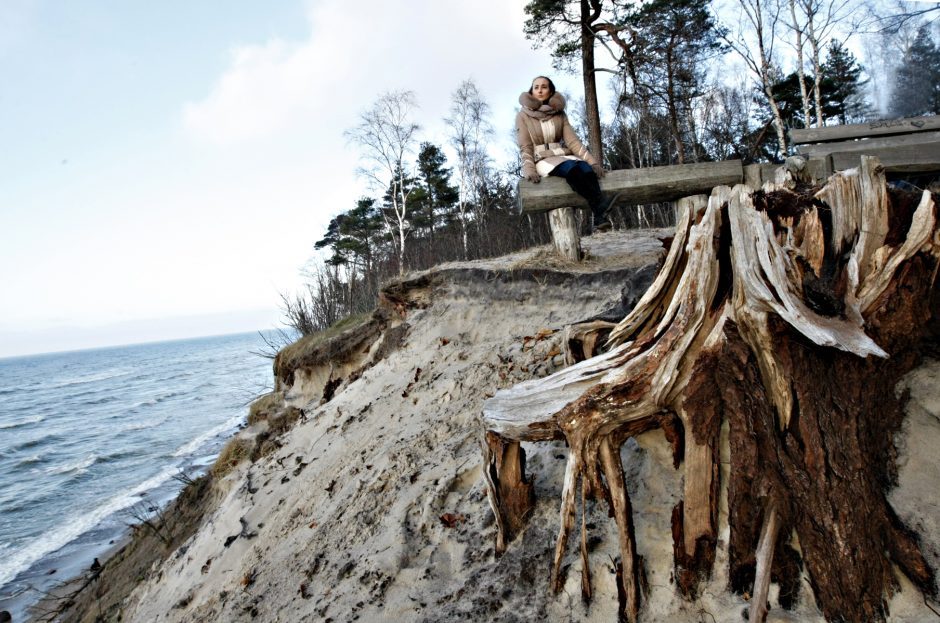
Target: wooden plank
{"points": [[635, 186], [905, 159], [886, 127], [863, 145]]}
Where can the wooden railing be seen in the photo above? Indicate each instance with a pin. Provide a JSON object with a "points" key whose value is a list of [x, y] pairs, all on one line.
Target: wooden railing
{"points": [[902, 145]]}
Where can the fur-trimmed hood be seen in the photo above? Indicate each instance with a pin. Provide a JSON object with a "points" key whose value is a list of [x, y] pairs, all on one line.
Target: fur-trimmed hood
{"points": [[555, 105]]}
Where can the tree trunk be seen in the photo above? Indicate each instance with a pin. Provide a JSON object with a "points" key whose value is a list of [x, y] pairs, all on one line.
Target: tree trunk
{"points": [[791, 317], [590, 84], [800, 71], [564, 226], [672, 107], [817, 69], [779, 126]]}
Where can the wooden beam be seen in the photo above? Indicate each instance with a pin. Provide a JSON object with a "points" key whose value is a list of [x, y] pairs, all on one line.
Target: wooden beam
{"points": [[886, 127], [635, 186], [865, 145], [902, 159]]}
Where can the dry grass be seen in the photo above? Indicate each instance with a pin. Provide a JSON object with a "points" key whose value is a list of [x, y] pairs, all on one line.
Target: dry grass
{"points": [[263, 407], [292, 356], [283, 420], [235, 451], [546, 258]]}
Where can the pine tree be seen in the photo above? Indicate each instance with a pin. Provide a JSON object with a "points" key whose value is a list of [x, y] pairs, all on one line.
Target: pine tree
{"points": [[434, 197], [842, 85], [352, 237], [917, 80], [672, 41], [570, 28]]}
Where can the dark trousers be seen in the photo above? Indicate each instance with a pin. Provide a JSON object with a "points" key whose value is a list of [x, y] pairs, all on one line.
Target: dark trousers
{"points": [[582, 179]]}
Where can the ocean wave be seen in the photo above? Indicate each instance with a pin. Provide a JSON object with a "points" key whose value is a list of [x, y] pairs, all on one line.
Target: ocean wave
{"points": [[30, 460], [98, 401], [152, 402], [104, 375], [36, 419], [143, 425], [79, 466], [32, 443], [73, 527], [83, 393], [191, 446]]}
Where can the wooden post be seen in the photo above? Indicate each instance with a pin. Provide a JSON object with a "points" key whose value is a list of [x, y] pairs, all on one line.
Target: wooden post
{"points": [[565, 235], [752, 176]]}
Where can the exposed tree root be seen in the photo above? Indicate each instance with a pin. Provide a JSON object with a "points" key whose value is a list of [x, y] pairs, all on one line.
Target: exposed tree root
{"points": [[790, 316]]}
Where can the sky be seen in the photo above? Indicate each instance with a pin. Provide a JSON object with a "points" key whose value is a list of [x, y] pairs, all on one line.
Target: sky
{"points": [[165, 167]]}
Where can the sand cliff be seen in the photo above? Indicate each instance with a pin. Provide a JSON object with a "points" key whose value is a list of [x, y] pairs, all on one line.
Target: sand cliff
{"points": [[372, 506]]}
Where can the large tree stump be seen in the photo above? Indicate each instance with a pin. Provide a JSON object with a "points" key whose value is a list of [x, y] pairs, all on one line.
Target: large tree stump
{"points": [[791, 316]]}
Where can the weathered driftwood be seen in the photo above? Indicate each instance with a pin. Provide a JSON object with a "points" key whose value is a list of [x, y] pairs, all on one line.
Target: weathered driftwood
{"points": [[765, 556], [866, 145], [634, 186], [912, 158], [887, 127], [790, 317]]}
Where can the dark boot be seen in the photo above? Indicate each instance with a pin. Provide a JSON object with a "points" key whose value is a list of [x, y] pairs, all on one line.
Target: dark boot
{"points": [[585, 183], [601, 216]]}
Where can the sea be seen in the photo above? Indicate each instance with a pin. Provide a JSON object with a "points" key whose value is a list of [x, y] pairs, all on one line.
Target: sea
{"points": [[91, 439]]}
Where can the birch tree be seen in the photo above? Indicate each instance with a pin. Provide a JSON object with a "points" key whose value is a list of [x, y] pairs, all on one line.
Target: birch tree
{"points": [[387, 136], [821, 18], [469, 130], [798, 27], [753, 39]]}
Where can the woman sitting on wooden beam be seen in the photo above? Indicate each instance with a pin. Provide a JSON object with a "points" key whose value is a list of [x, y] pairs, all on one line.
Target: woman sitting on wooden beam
{"points": [[550, 147]]}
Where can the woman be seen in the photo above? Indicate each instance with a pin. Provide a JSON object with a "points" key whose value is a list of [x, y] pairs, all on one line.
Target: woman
{"points": [[550, 147]]}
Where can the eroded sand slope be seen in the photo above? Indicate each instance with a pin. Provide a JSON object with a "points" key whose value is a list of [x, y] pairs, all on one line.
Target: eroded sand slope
{"points": [[374, 508]]}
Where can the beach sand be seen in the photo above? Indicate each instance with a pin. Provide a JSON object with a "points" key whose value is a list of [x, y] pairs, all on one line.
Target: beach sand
{"points": [[373, 508]]}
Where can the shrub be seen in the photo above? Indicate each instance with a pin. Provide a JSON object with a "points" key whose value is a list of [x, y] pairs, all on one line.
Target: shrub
{"points": [[283, 420], [263, 407], [235, 451]]}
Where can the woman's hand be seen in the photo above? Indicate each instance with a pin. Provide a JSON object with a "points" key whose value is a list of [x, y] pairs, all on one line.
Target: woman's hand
{"points": [[599, 170], [535, 178]]}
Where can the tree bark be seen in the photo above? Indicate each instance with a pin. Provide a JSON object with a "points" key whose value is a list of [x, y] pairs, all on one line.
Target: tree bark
{"points": [[564, 226], [800, 70], [791, 317], [590, 83]]}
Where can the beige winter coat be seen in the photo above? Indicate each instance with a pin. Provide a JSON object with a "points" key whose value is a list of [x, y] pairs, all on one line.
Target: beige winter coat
{"points": [[545, 136]]}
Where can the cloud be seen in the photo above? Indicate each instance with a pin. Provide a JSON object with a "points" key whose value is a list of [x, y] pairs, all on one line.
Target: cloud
{"points": [[348, 58], [268, 87]]}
